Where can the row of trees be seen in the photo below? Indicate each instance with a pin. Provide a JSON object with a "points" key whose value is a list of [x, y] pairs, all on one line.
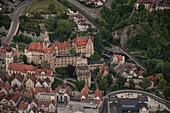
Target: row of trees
{"points": [[5, 21], [22, 39]]}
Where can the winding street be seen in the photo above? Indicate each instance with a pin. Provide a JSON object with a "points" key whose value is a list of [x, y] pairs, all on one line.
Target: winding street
{"points": [[65, 81], [15, 22]]}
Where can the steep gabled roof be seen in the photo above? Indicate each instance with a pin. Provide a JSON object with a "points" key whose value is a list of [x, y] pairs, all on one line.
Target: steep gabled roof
{"points": [[47, 72], [99, 94], [23, 105], [19, 77], [84, 92], [33, 78], [16, 96], [21, 67]]}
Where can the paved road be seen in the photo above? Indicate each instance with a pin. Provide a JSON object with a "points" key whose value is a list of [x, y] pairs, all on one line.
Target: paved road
{"points": [[136, 60], [89, 11], [15, 22], [108, 3], [111, 86], [160, 100]]}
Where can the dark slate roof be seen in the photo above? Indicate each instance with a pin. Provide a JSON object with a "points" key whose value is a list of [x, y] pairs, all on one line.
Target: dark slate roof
{"points": [[127, 104], [82, 67], [95, 62], [74, 55]]}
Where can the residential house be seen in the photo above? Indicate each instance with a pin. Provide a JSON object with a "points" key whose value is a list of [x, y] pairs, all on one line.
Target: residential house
{"points": [[44, 73], [83, 73], [152, 79], [30, 83], [39, 89], [23, 69], [104, 70], [23, 107], [45, 96], [18, 80], [6, 88], [6, 55], [140, 74], [118, 59], [63, 93], [14, 101]]}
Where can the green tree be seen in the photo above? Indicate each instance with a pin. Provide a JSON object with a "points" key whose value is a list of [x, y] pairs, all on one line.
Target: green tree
{"points": [[98, 76], [44, 64], [51, 7], [162, 83], [94, 57], [61, 70], [24, 59], [141, 7], [130, 2], [103, 84], [70, 70], [166, 92], [131, 83], [158, 78], [73, 50], [80, 84], [32, 63], [50, 23], [145, 83], [109, 79], [121, 81]]}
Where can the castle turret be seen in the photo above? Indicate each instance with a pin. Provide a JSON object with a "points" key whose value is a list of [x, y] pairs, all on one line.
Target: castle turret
{"points": [[9, 56], [46, 42]]}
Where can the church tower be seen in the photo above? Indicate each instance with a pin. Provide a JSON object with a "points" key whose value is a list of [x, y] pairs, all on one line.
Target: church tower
{"points": [[46, 42]]}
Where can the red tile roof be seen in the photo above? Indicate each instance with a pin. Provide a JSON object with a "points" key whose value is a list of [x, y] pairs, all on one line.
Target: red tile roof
{"points": [[119, 58], [21, 67], [2, 95], [103, 69], [137, 87], [19, 77], [7, 87], [16, 96], [152, 78], [4, 49], [130, 66], [39, 89], [21, 89], [30, 92], [99, 94], [23, 105], [33, 78], [37, 47], [140, 73], [8, 96], [3, 78], [68, 89], [84, 92], [47, 72]]}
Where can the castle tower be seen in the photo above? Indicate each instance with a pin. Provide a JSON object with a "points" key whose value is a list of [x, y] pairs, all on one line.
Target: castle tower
{"points": [[46, 42], [17, 51], [9, 57]]}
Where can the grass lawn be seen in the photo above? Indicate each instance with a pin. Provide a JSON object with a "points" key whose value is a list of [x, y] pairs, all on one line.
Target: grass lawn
{"points": [[56, 83], [22, 47], [42, 5]]}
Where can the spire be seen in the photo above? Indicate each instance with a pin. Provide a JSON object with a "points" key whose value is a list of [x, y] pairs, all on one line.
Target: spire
{"points": [[46, 37]]}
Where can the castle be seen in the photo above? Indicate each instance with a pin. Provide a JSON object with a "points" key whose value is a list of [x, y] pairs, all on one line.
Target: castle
{"points": [[58, 54]]}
